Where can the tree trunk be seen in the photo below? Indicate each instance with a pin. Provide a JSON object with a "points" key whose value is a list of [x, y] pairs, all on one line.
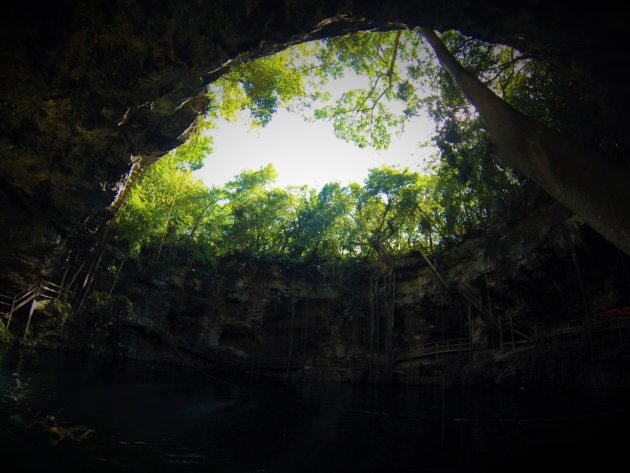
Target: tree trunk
{"points": [[593, 187]]}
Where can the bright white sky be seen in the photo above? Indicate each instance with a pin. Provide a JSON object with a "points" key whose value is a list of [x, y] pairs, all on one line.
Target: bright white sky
{"points": [[308, 152]]}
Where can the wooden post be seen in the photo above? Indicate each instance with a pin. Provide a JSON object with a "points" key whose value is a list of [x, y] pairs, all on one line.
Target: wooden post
{"points": [[89, 277], [11, 312], [30, 313], [67, 270], [74, 277]]}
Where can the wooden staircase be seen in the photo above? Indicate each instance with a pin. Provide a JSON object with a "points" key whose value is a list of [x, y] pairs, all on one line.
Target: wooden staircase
{"points": [[81, 264], [84, 246], [42, 290], [88, 244]]}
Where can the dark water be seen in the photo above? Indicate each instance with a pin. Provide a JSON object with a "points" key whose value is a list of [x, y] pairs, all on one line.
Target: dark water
{"points": [[174, 420]]}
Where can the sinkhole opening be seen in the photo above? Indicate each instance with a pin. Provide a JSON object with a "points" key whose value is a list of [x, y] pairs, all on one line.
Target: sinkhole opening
{"points": [[353, 147]]}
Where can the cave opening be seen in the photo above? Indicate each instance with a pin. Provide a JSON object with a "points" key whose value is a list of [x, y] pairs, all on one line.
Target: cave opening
{"points": [[494, 311]]}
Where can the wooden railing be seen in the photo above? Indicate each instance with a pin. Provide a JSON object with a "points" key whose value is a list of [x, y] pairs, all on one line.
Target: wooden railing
{"points": [[462, 344], [43, 289], [582, 325], [6, 302], [439, 346]]}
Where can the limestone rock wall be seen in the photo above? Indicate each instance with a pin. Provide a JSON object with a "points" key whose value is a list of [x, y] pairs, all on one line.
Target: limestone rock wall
{"points": [[318, 316]]}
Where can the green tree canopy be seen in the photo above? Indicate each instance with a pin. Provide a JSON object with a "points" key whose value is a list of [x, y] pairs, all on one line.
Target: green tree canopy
{"points": [[395, 210]]}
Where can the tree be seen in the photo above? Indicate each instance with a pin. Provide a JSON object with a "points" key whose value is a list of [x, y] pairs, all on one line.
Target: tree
{"points": [[320, 228], [591, 186], [258, 214], [167, 206], [395, 211], [364, 116], [260, 87]]}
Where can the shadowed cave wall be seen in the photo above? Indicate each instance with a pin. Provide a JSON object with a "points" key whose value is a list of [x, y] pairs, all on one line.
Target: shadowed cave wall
{"points": [[84, 86]]}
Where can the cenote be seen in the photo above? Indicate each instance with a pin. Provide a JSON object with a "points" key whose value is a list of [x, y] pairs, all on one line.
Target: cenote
{"points": [[462, 305], [165, 419]]}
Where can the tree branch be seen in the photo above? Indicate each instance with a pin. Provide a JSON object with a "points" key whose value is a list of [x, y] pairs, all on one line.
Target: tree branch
{"points": [[592, 186]]}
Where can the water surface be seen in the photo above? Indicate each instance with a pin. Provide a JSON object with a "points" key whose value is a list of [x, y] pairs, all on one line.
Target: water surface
{"points": [[159, 419]]}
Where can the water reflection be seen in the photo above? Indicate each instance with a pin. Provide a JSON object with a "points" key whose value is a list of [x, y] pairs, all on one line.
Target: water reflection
{"points": [[173, 420]]}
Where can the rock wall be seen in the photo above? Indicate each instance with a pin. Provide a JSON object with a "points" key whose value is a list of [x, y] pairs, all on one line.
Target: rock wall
{"points": [[87, 86], [320, 320]]}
